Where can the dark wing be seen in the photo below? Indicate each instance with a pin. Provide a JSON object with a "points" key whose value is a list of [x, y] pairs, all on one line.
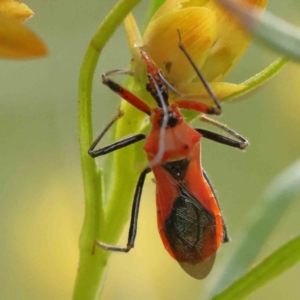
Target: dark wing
{"points": [[191, 233]]}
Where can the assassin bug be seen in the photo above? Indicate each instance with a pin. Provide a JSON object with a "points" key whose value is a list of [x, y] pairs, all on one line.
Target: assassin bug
{"points": [[188, 214]]}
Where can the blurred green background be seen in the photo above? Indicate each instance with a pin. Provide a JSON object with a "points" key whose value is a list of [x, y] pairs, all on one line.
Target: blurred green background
{"points": [[41, 190]]}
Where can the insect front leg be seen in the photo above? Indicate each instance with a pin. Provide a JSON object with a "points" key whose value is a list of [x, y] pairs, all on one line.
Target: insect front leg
{"points": [[116, 145], [125, 93], [133, 220]]}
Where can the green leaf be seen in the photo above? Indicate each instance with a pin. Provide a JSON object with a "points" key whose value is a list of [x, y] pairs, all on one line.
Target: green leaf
{"points": [[262, 221], [274, 32], [277, 263]]}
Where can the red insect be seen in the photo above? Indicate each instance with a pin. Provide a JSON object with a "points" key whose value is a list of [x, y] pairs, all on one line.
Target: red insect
{"points": [[188, 214]]}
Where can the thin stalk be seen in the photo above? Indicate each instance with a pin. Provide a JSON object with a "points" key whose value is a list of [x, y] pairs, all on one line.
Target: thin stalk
{"points": [[92, 268]]}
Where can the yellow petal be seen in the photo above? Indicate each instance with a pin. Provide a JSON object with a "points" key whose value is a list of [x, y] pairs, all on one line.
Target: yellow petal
{"points": [[197, 91], [15, 10], [173, 5], [19, 42], [134, 41], [134, 38], [231, 43], [160, 41]]}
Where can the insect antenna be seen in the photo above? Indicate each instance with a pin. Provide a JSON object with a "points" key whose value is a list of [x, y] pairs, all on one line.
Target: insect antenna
{"points": [[162, 103], [205, 83]]}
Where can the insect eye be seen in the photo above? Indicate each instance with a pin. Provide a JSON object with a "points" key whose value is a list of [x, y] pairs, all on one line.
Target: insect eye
{"points": [[173, 120]]}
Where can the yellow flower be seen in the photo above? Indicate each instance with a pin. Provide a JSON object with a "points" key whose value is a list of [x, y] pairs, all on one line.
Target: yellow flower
{"points": [[15, 10], [16, 40], [214, 40]]}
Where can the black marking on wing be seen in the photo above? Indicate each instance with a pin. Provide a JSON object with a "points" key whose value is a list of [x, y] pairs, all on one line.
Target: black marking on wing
{"points": [[225, 238], [177, 168], [187, 227]]}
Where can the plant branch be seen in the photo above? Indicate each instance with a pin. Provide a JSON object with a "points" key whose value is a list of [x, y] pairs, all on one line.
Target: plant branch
{"points": [[92, 267]]}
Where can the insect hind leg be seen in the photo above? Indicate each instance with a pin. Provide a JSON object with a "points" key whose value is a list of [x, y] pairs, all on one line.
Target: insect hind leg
{"points": [[133, 221]]}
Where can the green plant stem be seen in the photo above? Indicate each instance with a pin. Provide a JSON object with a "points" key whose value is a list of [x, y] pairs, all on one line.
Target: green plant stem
{"points": [[259, 79], [92, 267]]}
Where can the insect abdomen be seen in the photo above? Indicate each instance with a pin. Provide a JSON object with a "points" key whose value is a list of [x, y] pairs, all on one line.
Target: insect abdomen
{"points": [[190, 230]]}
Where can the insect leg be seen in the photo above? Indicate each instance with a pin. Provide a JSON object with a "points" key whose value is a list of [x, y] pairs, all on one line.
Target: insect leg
{"points": [[114, 146], [221, 139], [197, 106], [120, 72], [124, 93], [217, 109], [241, 144], [133, 220]]}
